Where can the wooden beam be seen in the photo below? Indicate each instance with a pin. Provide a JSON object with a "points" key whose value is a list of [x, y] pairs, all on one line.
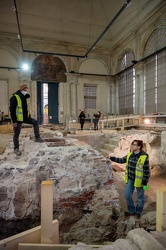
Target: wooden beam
{"points": [[161, 209], [23, 246], [30, 236], [47, 212]]}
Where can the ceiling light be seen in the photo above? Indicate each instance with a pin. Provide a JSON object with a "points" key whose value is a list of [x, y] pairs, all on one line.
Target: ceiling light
{"points": [[25, 66]]}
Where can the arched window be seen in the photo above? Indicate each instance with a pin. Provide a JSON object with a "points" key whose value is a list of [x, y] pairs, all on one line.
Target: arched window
{"points": [[156, 41], [155, 73], [126, 60], [126, 84]]}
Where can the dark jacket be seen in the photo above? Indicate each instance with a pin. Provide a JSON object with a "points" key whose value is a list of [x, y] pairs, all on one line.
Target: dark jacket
{"points": [[132, 165], [97, 117], [82, 117], [13, 105]]}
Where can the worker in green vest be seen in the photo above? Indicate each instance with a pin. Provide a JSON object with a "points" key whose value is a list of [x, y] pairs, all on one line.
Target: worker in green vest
{"points": [[20, 113], [136, 176]]}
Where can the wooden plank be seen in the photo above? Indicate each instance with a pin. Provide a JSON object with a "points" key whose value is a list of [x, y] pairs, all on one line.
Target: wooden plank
{"points": [[161, 210], [29, 236], [49, 246], [47, 211]]}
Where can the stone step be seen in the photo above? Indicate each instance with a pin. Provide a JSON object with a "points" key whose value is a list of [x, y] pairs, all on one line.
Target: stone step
{"points": [[160, 237], [144, 240], [55, 142], [60, 140]]}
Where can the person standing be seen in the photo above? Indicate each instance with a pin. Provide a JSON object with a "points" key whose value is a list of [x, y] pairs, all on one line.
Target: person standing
{"points": [[1, 117], [96, 120], [137, 175], [82, 119], [20, 113]]}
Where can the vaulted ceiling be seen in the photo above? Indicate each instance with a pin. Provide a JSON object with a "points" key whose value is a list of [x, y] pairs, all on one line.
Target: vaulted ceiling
{"points": [[73, 22]]}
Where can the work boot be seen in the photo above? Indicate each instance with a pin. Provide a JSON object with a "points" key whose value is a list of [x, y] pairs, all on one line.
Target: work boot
{"points": [[137, 216], [39, 140], [17, 152], [128, 214]]}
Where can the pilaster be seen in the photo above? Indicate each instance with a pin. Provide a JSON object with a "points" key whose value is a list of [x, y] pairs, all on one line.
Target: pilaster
{"points": [[139, 88]]}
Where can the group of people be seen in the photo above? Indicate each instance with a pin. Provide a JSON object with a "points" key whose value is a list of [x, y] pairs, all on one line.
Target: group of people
{"points": [[82, 118], [137, 171]]}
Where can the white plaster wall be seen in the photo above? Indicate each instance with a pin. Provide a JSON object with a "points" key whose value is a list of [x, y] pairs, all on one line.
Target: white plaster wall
{"points": [[101, 101], [93, 66], [11, 76]]}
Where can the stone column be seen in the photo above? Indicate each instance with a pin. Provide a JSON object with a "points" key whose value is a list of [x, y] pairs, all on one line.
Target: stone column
{"points": [[113, 96], [116, 95], [74, 98], [113, 92], [72, 80], [61, 101], [139, 88], [109, 97], [33, 99], [68, 97]]}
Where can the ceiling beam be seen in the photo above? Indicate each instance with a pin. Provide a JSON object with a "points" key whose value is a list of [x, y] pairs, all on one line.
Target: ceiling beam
{"points": [[64, 54]]}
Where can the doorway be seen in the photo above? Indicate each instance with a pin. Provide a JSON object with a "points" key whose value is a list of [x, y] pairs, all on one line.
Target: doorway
{"points": [[47, 102]]}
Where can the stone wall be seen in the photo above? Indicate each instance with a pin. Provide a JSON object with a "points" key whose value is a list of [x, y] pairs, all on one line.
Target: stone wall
{"points": [[154, 145], [85, 198]]}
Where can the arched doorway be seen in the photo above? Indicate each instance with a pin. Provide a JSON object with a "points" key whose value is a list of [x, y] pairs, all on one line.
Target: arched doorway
{"points": [[48, 71]]}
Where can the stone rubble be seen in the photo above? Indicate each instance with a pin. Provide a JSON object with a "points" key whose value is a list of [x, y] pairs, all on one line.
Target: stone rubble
{"points": [[137, 239], [86, 201], [154, 145], [83, 183]]}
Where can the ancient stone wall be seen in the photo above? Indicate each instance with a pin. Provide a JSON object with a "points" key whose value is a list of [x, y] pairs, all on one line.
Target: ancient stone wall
{"points": [[85, 198]]}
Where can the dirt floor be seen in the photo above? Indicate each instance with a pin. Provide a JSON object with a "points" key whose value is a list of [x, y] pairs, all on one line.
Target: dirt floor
{"points": [[4, 141]]}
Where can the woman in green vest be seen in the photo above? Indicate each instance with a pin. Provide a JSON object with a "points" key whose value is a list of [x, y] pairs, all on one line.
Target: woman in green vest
{"points": [[136, 176]]}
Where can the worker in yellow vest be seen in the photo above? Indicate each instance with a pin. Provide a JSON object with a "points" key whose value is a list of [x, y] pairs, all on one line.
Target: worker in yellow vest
{"points": [[136, 176], [20, 113]]}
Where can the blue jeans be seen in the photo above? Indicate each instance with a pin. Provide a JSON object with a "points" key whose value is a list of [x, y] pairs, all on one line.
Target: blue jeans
{"points": [[129, 189], [95, 124]]}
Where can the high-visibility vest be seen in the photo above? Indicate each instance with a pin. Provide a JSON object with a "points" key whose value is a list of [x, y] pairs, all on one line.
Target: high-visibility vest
{"points": [[19, 110], [138, 170]]}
